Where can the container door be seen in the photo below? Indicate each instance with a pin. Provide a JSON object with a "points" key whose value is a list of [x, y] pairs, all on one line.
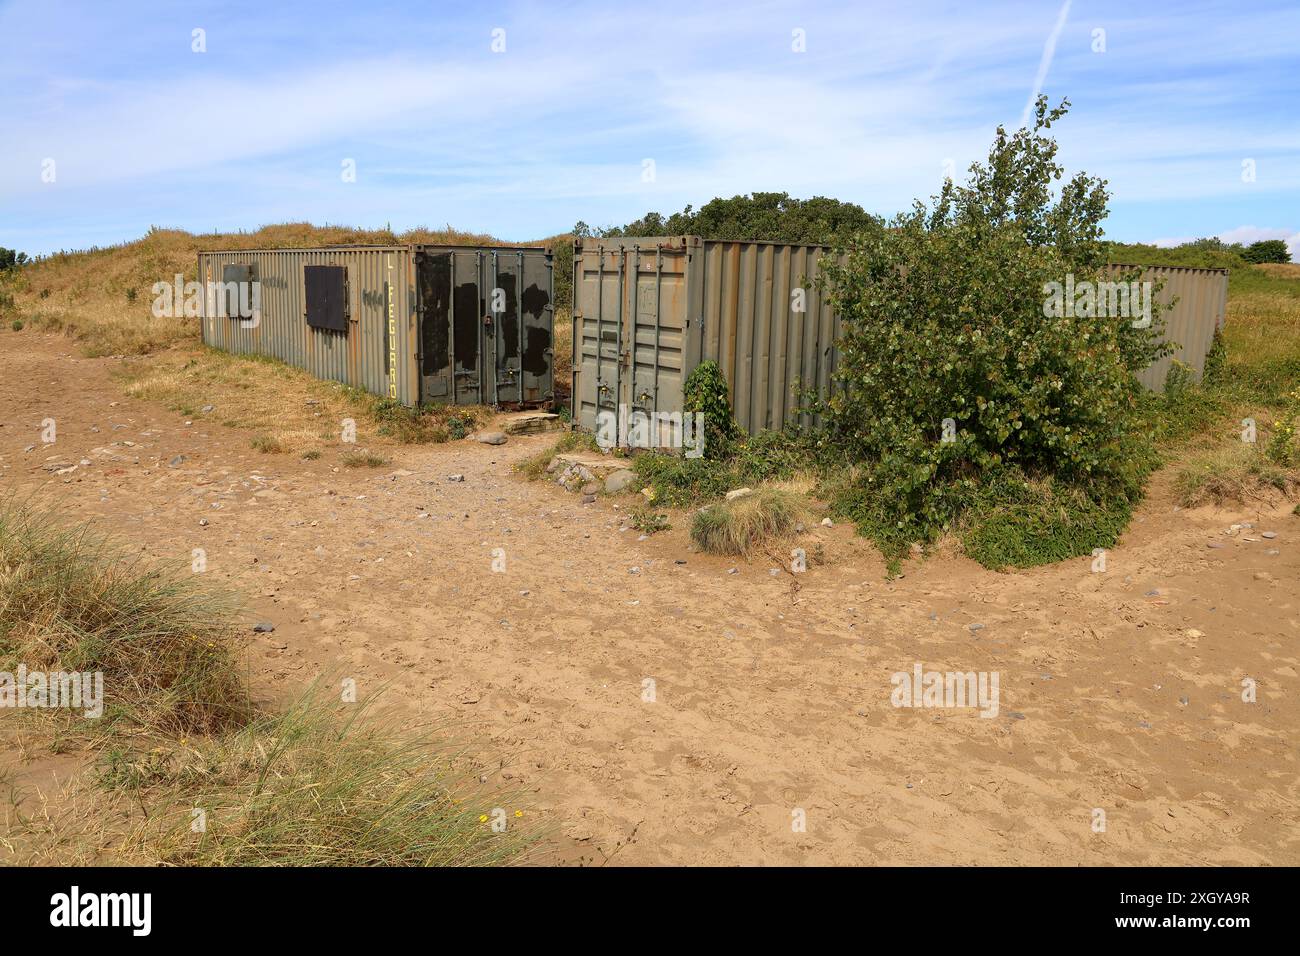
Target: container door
{"points": [[538, 318], [468, 323], [505, 306], [433, 281], [599, 296]]}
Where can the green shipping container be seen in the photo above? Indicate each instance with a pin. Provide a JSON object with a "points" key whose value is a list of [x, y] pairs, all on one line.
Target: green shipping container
{"points": [[418, 324]]}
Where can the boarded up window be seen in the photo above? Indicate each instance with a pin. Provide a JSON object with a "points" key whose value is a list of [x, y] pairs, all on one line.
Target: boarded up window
{"points": [[234, 297], [327, 297]]}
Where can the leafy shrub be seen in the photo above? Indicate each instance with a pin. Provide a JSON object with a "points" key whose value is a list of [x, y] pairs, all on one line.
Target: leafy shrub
{"points": [[947, 316], [648, 521], [705, 392]]}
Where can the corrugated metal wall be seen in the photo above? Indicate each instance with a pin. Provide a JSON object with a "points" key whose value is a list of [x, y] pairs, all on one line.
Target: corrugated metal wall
{"points": [[378, 351], [1200, 298], [474, 347], [768, 326], [648, 311]]}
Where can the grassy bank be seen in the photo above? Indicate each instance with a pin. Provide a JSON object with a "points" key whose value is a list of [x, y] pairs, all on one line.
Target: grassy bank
{"points": [[286, 409]]}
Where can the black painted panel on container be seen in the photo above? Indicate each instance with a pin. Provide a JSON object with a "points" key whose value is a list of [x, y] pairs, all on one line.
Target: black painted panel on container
{"points": [[327, 297]]}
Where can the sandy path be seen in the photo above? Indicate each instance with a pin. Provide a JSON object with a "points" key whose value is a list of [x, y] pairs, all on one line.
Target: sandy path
{"points": [[769, 699]]}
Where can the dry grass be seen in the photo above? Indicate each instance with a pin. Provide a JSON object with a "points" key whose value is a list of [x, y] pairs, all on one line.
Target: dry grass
{"points": [[165, 643], [740, 526], [364, 459], [318, 784], [1233, 473], [562, 343], [324, 785], [288, 409]]}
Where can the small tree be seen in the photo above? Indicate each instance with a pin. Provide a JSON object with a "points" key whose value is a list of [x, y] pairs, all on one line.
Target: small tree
{"points": [[1267, 250], [953, 365]]}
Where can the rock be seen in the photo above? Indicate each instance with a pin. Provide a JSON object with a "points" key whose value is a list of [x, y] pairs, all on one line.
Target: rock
{"points": [[1184, 700], [739, 493], [827, 523], [633, 570], [1214, 544], [733, 570], [527, 423], [1268, 534], [203, 522], [1272, 551], [206, 409], [619, 481], [455, 477], [588, 499], [1193, 633], [590, 488], [1016, 715], [976, 627], [491, 438], [176, 462], [553, 466], [1263, 576], [263, 627]]}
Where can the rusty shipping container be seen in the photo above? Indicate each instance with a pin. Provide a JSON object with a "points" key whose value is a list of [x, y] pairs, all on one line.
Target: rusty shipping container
{"points": [[647, 311], [418, 324]]}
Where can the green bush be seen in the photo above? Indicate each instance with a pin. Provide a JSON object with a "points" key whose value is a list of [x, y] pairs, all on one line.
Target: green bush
{"points": [[949, 315], [705, 393], [1267, 250]]}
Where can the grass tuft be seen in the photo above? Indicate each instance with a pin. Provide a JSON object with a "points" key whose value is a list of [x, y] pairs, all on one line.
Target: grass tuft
{"points": [[744, 524], [364, 459]]}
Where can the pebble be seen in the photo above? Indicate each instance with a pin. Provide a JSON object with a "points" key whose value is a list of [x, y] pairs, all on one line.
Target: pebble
{"points": [[176, 462], [1214, 544], [264, 627], [827, 523], [976, 627], [733, 570], [634, 570], [1268, 534], [1184, 700], [455, 477]]}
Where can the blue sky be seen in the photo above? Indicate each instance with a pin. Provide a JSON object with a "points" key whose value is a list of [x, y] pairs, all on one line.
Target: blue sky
{"points": [[559, 125]]}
